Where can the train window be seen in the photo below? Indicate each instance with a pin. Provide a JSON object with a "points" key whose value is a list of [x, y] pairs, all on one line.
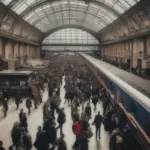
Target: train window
{"points": [[117, 95], [123, 100], [2, 82], [133, 108], [22, 82]]}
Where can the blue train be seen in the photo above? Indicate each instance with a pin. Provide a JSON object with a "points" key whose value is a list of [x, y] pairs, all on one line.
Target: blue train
{"points": [[128, 91]]}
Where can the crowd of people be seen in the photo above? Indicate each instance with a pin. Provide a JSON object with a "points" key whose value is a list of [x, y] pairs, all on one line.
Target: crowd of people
{"points": [[82, 90]]}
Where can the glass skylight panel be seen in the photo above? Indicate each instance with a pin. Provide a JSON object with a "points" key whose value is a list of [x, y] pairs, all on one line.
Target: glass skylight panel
{"points": [[29, 2], [132, 2], [119, 9], [6, 2], [30, 15], [39, 9], [20, 8], [74, 11], [110, 2], [125, 4]]}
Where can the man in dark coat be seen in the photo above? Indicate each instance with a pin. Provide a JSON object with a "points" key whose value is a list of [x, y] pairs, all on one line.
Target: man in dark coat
{"points": [[27, 141], [94, 101], [16, 135], [41, 142], [97, 121], [17, 101], [52, 134], [61, 120], [88, 111], [29, 105]]}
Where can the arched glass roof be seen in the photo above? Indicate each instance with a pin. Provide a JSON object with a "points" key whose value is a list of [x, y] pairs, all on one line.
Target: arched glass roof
{"points": [[70, 36], [49, 14], [70, 39]]}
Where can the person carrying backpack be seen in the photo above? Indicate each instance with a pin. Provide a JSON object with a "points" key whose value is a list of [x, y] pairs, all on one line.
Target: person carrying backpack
{"points": [[77, 131]]}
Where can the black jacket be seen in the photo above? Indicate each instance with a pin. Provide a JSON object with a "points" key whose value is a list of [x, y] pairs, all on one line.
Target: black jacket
{"points": [[98, 120], [41, 142], [61, 118]]}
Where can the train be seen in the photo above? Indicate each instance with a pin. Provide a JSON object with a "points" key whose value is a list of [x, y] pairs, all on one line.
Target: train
{"points": [[123, 90]]}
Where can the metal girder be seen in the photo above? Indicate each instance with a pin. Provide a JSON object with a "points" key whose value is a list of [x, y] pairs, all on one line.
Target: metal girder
{"points": [[73, 11], [71, 26], [66, 44], [44, 2], [58, 51], [17, 38]]}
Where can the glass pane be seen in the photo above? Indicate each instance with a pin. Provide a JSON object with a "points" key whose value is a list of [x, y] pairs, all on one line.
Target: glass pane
{"points": [[6, 2]]}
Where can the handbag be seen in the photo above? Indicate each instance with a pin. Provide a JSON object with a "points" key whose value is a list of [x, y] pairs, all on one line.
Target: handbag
{"points": [[89, 133]]}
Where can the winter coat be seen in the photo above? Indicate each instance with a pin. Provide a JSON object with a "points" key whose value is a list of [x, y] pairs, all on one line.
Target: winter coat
{"points": [[98, 120], [41, 142], [84, 125], [28, 103], [27, 143], [83, 143], [76, 128], [94, 100], [17, 99], [88, 110], [16, 136], [61, 118], [52, 134]]}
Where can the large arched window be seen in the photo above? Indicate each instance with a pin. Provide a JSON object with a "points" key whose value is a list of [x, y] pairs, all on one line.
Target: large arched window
{"points": [[70, 39]]}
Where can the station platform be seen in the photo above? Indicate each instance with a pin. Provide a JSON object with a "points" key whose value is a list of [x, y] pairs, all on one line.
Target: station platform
{"points": [[36, 119]]}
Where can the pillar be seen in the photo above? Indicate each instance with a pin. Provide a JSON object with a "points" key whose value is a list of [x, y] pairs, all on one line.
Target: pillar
{"points": [[25, 50], [28, 51], [38, 52], [8, 49], [1, 48], [16, 50], [138, 52]]}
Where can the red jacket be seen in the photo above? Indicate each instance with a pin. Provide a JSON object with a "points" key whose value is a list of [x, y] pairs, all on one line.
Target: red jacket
{"points": [[77, 128]]}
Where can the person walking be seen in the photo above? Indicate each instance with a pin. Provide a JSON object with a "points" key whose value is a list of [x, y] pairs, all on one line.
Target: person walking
{"points": [[97, 122], [94, 101], [16, 135], [27, 141], [17, 101], [61, 120], [77, 131], [23, 121], [29, 105], [41, 142]]}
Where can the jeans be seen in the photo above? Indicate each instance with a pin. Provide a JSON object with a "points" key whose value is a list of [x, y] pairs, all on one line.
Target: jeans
{"points": [[76, 143], [98, 129], [61, 128]]}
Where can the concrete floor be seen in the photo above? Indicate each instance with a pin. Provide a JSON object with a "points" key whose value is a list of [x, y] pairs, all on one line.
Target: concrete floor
{"points": [[36, 119]]}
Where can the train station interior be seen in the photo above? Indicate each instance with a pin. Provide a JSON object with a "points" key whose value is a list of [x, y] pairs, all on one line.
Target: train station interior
{"points": [[98, 51]]}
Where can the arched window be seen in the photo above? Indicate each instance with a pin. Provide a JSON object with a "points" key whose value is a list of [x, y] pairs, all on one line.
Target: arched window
{"points": [[70, 39]]}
